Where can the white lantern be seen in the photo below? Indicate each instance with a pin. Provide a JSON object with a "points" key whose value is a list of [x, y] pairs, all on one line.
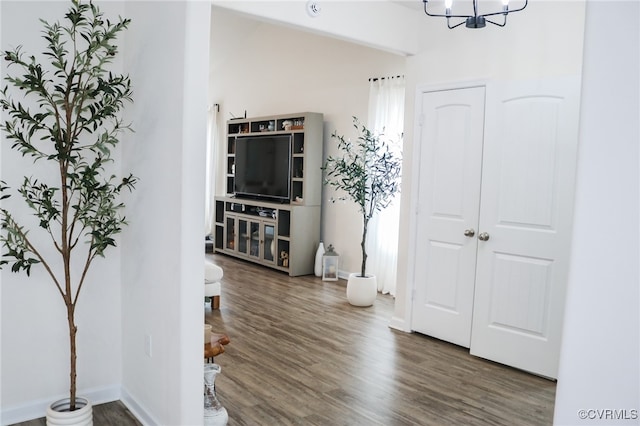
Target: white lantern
{"points": [[330, 261]]}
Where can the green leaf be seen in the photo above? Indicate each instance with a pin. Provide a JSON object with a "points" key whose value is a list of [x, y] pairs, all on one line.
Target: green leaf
{"points": [[367, 172], [67, 111]]}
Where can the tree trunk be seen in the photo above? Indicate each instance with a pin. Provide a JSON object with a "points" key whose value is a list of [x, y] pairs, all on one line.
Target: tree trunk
{"points": [[363, 268], [72, 354]]}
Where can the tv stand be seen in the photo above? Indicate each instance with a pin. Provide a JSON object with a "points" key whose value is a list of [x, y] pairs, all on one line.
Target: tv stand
{"points": [[282, 235]]}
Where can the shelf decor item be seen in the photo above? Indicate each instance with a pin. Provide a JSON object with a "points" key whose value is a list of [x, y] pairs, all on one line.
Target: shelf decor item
{"points": [[67, 117], [214, 413], [368, 173], [317, 266], [330, 262], [284, 259]]}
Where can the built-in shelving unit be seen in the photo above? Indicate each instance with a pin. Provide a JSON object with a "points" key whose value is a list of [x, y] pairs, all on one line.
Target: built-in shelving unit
{"points": [[282, 234]]}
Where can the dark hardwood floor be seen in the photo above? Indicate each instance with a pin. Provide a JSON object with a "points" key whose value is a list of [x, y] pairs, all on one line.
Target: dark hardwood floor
{"points": [[301, 355], [112, 414]]}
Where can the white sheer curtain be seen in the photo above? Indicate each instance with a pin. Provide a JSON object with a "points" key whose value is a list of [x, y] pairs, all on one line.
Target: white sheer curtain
{"points": [[209, 186], [386, 115]]}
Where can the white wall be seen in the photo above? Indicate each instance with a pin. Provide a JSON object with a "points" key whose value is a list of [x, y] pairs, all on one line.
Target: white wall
{"points": [[599, 366], [270, 69], [152, 285], [34, 333], [544, 40], [381, 24], [167, 57]]}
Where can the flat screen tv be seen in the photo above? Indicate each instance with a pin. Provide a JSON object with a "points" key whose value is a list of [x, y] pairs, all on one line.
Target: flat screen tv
{"points": [[262, 167]]}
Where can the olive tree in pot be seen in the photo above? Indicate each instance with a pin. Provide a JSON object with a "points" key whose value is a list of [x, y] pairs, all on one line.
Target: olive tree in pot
{"points": [[366, 172], [68, 121]]}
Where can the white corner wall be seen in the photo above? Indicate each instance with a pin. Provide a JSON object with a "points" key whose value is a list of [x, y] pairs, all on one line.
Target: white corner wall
{"points": [[167, 57], [34, 335], [599, 377], [151, 286]]}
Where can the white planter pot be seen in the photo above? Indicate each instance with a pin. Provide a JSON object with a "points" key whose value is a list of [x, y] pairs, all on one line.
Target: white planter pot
{"points": [[317, 266], [58, 413], [361, 291]]}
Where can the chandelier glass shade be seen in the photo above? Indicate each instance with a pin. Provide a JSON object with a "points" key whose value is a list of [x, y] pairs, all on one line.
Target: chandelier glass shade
{"points": [[476, 20]]}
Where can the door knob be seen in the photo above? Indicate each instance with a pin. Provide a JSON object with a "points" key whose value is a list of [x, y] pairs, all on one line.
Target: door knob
{"points": [[483, 236], [469, 232]]}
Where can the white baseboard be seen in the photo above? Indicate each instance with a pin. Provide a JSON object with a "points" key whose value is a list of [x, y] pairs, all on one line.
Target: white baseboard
{"points": [[400, 324], [23, 413], [343, 275], [136, 409], [38, 408]]}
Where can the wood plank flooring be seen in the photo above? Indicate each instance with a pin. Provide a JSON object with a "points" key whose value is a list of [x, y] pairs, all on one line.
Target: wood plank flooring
{"points": [[113, 413], [301, 355]]}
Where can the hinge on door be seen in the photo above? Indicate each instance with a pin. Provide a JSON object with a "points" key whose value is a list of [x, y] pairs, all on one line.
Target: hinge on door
{"points": [[421, 119]]}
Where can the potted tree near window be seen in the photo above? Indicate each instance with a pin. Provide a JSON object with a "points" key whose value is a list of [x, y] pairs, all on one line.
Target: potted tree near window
{"points": [[63, 111], [367, 172]]}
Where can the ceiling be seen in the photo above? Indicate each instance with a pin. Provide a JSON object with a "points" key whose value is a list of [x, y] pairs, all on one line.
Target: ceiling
{"points": [[411, 4]]}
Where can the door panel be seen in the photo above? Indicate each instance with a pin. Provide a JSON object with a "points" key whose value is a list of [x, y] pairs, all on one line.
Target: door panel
{"points": [[526, 208], [527, 179], [448, 198], [520, 295], [448, 258]]}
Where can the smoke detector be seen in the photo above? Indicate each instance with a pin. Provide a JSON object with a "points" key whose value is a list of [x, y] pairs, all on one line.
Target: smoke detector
{"points": [[313, 8]]}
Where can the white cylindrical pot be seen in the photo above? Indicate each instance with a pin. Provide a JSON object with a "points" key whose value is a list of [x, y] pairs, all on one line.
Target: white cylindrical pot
{"points": [[361, 291], [317, 267], [58, 413]]}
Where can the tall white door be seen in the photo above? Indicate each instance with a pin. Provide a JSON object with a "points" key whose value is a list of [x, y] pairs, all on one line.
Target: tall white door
{"points": [[526, 211], [505, 169], [448, 199]]}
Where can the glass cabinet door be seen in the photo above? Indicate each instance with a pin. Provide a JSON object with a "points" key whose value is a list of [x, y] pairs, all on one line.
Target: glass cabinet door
{"points": [[229, 242], [255, 239], [243, 236], [269, 242]]}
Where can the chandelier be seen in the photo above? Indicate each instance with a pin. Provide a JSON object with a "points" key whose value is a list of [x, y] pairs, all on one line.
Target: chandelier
{"points": [[476, 20]]}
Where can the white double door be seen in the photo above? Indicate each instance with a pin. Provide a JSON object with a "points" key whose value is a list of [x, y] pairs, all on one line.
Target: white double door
{"points": [[493, 218]]}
